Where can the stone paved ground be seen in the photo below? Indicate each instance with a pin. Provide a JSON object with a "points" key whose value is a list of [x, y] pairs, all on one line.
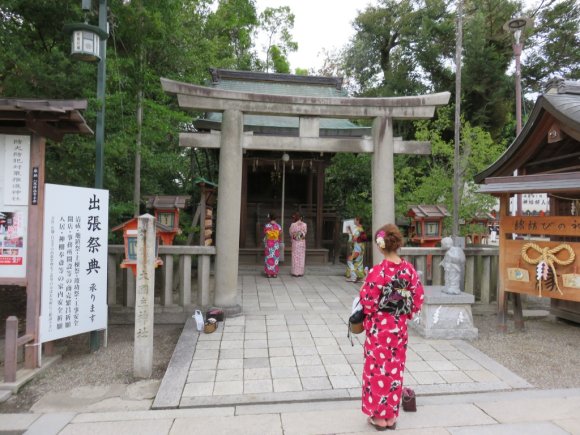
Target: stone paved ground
{"points": [[551, 412], [291, 345]]}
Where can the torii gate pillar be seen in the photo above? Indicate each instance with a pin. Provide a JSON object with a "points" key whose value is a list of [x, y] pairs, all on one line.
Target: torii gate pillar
{"points": [[383, 179], [228, 212]]}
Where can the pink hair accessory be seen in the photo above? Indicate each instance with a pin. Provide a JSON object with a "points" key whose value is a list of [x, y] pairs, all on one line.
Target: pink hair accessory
{"points": [[380, 240]]}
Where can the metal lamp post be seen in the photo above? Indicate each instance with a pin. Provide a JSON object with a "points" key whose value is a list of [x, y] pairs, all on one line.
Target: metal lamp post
{"points": [[89, 44], [516, 26]]}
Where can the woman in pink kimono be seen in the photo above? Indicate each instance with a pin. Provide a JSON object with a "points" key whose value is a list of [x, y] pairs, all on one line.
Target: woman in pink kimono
{"points": [[390, 296], [298, 234], [272, 239]]}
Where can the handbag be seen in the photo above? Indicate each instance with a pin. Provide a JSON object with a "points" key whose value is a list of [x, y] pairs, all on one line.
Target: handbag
{"points": [[210, 325], [409, 400], [355, 322], [215, 313]]}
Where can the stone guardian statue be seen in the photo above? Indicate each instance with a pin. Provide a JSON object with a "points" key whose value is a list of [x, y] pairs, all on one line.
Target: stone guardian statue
{"points": [[454, 266]]}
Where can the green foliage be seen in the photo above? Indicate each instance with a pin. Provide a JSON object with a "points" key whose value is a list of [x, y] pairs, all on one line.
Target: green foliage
{"points": [[554, 46], [149, 39], [277, 25], [279, 61]]}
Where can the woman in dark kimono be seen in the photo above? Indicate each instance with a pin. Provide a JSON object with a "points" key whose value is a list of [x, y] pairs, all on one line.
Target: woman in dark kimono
{"points": [[390, 296]]}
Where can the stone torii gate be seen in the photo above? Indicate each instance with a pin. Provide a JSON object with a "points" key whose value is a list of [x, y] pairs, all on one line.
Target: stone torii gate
{"points": [[232, 141]]}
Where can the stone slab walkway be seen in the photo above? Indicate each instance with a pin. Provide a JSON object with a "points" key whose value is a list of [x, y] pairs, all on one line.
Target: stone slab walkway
{"points": [[553, 412], [291, 345]]}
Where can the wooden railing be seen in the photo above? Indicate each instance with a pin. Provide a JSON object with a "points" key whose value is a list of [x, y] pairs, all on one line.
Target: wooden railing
{"points": [[173, 280]]}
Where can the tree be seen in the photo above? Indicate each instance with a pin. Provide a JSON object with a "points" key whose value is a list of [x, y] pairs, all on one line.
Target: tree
{"points": [[276, 25], [553, 48], [230, 29], [149, 39]]}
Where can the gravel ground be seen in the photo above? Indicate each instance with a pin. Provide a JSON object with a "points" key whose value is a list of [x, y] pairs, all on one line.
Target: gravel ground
{"points": [[111, 365], [546, 353]]}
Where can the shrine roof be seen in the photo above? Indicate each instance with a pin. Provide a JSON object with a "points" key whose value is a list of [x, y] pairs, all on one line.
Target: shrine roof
{"points": [[49, 118], [167, 201], [428, 211], [559, 104], [280, 84]]}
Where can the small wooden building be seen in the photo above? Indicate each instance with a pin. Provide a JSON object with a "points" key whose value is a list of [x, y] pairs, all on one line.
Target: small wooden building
{"points": [[263, 170], [479, 227], [426, 227], [546, 155]]}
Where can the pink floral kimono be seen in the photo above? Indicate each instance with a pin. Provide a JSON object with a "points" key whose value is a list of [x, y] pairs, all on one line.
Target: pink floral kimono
{"points": [[298, 234], [272, 239], [390, 296]]}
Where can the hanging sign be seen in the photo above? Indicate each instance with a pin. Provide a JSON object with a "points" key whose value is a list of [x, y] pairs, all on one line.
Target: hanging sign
{"points": [[14, 188], [74, 261]]}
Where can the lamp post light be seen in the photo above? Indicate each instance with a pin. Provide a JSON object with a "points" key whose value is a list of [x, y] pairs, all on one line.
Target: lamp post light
{"points": [[517, 26], [89, 44]]}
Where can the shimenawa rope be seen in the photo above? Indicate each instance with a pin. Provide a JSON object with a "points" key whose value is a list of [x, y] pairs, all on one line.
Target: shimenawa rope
{"points": [[548, 256]]}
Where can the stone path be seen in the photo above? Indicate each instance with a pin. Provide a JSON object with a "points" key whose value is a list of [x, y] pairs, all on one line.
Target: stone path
{"points": [[553, 412], [291, 345]]}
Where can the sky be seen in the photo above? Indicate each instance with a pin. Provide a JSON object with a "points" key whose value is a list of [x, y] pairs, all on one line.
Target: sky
{"points": [[319, 24], [322, 24]]}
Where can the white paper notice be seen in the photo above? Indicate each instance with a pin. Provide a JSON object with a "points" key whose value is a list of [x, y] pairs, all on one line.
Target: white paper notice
{"points": [[74, 261], [14, 188]]}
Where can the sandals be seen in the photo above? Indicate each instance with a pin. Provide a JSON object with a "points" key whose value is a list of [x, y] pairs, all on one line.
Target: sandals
{"points": [[381, 428]]}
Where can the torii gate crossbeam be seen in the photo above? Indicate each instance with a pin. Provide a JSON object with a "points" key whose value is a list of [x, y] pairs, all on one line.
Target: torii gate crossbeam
{"points": [[232, 141]]}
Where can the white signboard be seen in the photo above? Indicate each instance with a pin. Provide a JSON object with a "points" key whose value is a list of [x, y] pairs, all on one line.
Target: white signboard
{"points": [[16, 171], [14, 189], [532, 204], [74, 261]]}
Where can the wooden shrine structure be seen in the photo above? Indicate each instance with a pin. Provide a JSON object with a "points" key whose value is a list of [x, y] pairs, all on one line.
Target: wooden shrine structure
{"points": [[539, 255], [426, 227], [309, 113], [35, 120]]}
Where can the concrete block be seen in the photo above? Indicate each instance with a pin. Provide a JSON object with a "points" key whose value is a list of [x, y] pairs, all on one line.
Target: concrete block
{"points": [[50, 424], [256, 374], [169, 393], [446, 316], [16, 423], [240, 425], [540, 428], [533, 409], [284, 372], [321, 383], [196, 389], [287, 384], [147, 427], [258, 386]]}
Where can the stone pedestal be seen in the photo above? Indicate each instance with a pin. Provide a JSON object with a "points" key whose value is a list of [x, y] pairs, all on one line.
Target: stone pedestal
{"points": [[445, 316]]}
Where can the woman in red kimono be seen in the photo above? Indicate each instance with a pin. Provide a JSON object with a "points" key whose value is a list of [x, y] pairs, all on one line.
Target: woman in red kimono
{"points": [[390, 296], [272, 239]]}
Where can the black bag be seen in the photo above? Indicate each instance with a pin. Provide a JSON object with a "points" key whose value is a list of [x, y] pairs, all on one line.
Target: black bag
{"points": [[355, 324]]}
